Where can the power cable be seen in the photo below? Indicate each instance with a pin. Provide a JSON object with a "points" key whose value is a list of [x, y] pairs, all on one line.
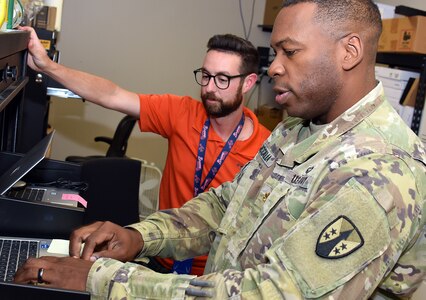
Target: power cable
{"points": [[247, 35]]}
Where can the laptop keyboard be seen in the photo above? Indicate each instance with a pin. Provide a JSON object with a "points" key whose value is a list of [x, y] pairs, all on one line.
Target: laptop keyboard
{"points": [[13, 253], [34, 194]]}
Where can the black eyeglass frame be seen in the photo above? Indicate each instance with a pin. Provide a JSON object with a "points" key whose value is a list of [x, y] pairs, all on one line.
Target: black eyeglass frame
{"points": [[214, 78]]}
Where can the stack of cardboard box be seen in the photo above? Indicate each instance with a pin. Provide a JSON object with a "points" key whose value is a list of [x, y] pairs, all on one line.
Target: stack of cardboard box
{"points": [[272, 8], [403, 35], [269, 115]]}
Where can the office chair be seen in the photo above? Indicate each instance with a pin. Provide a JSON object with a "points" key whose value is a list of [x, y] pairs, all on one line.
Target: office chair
{"points": [[117, 144]]}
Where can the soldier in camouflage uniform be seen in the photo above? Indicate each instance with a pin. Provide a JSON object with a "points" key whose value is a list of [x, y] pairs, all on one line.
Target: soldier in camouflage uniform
{"points": [[331, 207]]}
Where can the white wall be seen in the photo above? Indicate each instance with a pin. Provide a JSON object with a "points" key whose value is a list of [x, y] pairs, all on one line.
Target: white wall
{"points": [[419, 4], [144, 46]]}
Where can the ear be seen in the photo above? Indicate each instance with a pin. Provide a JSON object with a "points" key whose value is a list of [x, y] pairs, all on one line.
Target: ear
{"points": [[249, 82], [353, 51]]}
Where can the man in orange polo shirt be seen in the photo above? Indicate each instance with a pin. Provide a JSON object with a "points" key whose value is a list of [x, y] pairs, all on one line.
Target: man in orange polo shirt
{"points": [[209, 141]]}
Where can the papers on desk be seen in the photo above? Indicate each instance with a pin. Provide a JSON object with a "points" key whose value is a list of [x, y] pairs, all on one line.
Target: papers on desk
{"points": [[60, 247]]}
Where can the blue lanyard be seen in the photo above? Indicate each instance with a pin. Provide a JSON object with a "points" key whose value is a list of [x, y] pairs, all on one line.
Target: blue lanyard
{"points": [[199, 164], [185, 266]]}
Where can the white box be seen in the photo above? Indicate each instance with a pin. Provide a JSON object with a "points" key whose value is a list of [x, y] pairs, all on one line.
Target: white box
{"points": [[396, 74], [392, 83]]}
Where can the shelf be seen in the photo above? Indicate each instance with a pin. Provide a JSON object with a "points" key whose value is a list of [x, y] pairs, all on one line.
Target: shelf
{"points": [[13, 41], [266, 28], [11, 91], [416, 62], [411, 61]]}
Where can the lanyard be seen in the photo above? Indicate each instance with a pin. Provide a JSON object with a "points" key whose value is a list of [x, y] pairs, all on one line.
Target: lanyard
{"points": [[198, 187], [185, 266]]}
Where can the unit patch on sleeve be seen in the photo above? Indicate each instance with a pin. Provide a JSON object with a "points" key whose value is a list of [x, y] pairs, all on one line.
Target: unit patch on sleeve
{"points": [[339, 239]]}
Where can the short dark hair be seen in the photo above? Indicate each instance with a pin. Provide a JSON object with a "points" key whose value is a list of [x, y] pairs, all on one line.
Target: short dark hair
{"points": [[338, 13], [237, 45], [340, 17]]}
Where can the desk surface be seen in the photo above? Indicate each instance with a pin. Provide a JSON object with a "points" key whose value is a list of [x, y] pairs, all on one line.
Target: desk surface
{"points": [[12, 291]]}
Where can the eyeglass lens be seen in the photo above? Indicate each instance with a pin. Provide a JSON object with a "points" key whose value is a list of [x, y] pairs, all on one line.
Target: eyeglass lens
{"points": [[203, 79]]}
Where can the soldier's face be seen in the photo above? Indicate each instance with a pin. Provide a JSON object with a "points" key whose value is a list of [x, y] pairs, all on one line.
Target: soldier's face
{"points": [[305, 69]]}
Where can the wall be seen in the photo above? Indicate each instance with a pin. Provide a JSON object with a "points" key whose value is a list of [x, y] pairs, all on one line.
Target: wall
{"points": [[147, 47], [419, 4]]}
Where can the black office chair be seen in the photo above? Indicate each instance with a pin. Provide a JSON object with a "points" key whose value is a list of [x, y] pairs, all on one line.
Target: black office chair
{"points": [[117, 144]]}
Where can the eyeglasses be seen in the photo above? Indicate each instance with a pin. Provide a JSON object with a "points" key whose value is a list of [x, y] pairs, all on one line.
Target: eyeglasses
{"points": [[222, 81]]}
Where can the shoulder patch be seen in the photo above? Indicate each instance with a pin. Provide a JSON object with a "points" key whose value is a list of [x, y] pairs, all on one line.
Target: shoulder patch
{"points": [[339, 239]]}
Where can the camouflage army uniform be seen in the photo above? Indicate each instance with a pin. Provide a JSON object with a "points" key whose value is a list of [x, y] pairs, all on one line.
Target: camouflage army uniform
{"points": [[329, 211]]}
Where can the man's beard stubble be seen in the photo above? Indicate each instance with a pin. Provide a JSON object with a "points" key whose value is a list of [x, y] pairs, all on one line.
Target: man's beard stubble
{"points": [[219, 108]]}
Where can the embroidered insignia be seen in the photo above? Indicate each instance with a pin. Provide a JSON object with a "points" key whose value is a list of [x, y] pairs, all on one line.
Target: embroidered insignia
{"points": [[265, 196], [339, 239]]}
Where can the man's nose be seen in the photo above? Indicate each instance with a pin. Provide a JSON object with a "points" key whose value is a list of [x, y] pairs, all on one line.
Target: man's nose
{"points": [[276, 68], [211, 86]]}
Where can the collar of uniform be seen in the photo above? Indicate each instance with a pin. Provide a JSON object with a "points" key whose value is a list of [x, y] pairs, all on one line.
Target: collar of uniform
{"points": [[294, 152]]}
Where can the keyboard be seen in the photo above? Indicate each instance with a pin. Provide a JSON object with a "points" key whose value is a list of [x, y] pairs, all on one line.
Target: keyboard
{"points": [[35, 194], [13, 253]]}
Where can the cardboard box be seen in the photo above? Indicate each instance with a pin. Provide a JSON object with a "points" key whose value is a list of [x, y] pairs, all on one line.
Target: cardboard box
{"points": [[272, 7], [269, 116], [47, 38], [411, 96], [46, 18], [404, 35]]}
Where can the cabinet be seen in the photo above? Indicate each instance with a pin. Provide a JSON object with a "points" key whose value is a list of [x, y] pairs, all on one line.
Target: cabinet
{"points": [[24, 103], [13, 79]]}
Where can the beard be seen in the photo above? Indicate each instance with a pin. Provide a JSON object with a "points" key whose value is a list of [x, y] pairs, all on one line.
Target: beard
{"points": [[220, 109]]}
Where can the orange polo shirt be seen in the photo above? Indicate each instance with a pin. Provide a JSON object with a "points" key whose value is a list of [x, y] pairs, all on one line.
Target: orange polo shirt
{"points": [[180, 120]]}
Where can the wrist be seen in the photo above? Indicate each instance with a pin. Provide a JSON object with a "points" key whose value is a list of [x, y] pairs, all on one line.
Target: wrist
{"points": [[137, 242]]}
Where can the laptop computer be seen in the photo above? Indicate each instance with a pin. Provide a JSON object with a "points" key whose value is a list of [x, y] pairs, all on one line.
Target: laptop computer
{"points": [[14, 251], [12, 186]]}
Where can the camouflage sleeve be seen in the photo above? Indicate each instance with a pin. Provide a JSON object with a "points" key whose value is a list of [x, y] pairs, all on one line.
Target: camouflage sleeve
{"points": [[112, 279], [188, 231]]}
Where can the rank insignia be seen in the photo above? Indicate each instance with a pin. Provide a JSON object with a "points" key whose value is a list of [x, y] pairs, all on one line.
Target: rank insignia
{"points": [[339, 239]]}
